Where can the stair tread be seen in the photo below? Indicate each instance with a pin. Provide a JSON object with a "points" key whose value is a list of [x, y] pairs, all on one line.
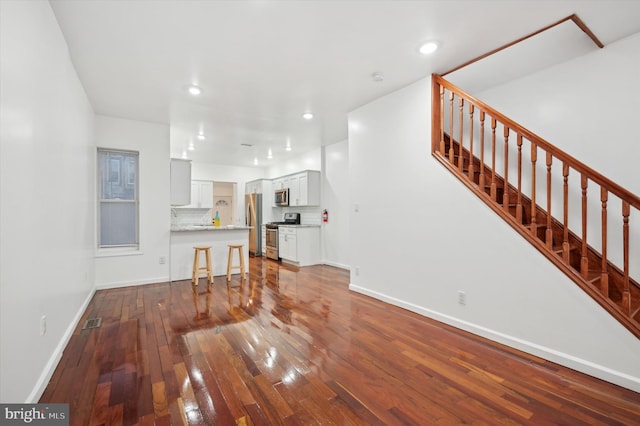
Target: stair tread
{"points": [[559, 249], [594, 275]]}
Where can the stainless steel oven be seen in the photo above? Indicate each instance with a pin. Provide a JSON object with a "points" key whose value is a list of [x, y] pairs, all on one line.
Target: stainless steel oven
{"points": [[272, 241]]}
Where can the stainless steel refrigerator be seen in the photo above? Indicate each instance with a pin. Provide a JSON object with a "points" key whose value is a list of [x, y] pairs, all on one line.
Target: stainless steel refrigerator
{"points": [[253, 218]]}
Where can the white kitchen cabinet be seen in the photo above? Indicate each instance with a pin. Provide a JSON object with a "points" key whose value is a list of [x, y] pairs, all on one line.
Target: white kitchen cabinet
{"points": [[278, 184], [180, 182], [299, 245], [304, 188], [287, 243], [249, 188], [259, 186], [201, 194]]}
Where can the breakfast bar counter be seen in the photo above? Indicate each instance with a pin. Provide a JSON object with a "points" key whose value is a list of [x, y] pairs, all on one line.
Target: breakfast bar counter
{"points": [[184, 238]]}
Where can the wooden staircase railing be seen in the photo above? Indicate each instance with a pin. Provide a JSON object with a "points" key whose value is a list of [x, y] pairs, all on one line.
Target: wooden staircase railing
{"points": [[525, 179]]}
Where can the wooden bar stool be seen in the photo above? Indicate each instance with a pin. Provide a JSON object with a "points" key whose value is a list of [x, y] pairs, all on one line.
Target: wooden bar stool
{"points": [[230, 264], [197, 269]]}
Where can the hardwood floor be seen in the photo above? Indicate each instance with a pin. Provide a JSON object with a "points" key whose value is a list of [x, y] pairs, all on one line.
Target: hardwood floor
{"points": [[297, 347]]}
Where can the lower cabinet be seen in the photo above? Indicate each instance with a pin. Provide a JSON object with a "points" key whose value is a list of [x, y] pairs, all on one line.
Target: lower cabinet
{"points": [[287, 247], [299, 245], [263, 231]]}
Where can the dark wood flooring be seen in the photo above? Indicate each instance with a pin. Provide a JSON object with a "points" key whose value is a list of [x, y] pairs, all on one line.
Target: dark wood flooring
{"points": [[296, 347]]}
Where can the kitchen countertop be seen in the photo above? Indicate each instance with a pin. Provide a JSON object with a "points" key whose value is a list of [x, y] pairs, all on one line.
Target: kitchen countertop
{"points": [[302, 226], [184, 228]]}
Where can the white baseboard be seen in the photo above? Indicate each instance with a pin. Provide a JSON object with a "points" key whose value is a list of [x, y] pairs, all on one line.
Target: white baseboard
{"points": [[336, 264], [561, 358], [51, 365], [118, 284]]}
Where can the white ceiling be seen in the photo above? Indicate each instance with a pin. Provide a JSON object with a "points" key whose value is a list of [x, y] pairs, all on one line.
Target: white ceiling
{"points": [[263, 63]]}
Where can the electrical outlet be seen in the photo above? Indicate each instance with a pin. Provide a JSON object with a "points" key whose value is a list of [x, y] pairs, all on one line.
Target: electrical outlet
{"points": [[462, 298], [162, 260], [43, 325]]}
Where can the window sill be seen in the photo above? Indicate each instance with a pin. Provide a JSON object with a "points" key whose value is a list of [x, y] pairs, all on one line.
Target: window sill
{"points": [[118, 251]]}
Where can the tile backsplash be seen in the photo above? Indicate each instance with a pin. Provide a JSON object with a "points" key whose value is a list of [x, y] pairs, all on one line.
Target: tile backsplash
{"points": [[184, 216], [309, 215]]}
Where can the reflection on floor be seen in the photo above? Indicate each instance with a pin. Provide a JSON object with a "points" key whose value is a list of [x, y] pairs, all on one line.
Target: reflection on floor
{"points": [[295, 346]]}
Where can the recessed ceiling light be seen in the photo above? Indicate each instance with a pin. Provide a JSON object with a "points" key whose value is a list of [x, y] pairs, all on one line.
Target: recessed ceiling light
{"points": [[288, 148], [428, 47], [255, 161], [191, 147], [194, 90], [307, 116], [184, 154], [201, 137], [269, 154]]}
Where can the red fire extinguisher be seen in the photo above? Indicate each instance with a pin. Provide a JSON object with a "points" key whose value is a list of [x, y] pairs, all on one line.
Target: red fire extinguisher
{"points": [[325, 216]]}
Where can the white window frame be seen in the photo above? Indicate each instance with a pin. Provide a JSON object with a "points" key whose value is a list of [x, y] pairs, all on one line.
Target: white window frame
{"points": [[118, 248]]}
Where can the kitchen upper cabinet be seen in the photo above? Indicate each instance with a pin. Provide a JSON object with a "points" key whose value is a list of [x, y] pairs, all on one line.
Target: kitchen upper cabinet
{"points": [[278, 184], [201, 194], [260, 186], [304, 188], [180, 182]]}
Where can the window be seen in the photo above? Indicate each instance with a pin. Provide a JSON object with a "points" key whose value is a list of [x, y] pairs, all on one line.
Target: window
{"points": [[117, 198]]}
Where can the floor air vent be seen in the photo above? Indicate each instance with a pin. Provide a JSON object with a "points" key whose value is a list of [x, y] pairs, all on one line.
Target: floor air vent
{"points": [[92, 323]]}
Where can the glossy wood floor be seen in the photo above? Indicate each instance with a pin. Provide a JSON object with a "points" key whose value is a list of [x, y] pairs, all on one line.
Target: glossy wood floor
{"points": [[296, 347]]}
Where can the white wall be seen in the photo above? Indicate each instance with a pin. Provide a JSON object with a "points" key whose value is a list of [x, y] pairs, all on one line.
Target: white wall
{"points": [[586, 106], [311, 160], [47, 198], [419, 236], [152, 142], [335, 198]]}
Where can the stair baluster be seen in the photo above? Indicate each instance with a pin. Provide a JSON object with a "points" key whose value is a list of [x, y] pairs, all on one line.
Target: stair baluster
{"points": [[584, 261], [471, 141], [505, 191], [494, 195], [451, 153], [549, 231], [626, 293], [519, 200], [481, 179], [441, 115], [604, 277], [534, 159], [461, 137], [565, 192]]}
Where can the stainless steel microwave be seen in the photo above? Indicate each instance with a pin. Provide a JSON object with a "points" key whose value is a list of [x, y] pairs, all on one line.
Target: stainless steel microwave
{"points": [[281, 197]]}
